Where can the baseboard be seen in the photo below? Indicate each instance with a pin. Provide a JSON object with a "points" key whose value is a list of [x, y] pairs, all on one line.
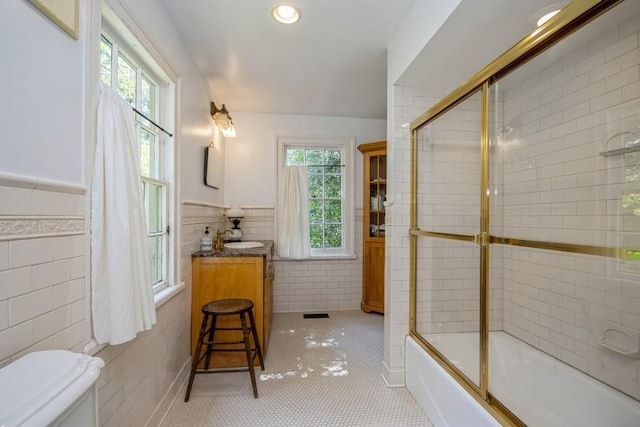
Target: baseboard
{"points": [[393, 377], [162, 409]]}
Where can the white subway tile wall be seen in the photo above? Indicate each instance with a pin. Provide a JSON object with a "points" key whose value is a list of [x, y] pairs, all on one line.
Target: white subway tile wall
{"points": [[318, 285], [138, 374], [42, 277], [257, 224], [408, 103]]}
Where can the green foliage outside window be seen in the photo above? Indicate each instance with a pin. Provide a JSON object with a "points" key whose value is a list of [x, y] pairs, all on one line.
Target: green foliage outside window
{"points": [[325, 193]]}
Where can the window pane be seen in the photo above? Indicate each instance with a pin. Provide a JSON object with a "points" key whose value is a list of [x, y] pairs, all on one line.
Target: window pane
{"points": [[333, 157], [149, 159], [315, 185], [155, 251], [295, 157], [155, 208], [314, 157], [105, 61], [126, 80], [145, 152], [148, 98], [333, 186], [315, 212], [333, 236], [332, 212], [316, 236]]}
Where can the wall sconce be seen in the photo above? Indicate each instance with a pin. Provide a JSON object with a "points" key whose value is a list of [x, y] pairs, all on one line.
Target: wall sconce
{"points": [[223, 120]]}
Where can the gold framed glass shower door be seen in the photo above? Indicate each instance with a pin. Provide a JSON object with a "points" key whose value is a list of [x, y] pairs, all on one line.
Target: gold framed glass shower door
{"points": [[447, 314], [433, 240]]}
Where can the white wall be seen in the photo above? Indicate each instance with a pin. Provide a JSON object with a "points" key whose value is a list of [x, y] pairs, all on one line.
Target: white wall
{"points": [[250, 176], [421, 23], [42, 96]]}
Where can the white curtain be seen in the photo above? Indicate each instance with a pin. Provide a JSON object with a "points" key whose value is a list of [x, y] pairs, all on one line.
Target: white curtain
{"points": [[121, 297], [293, 213]]}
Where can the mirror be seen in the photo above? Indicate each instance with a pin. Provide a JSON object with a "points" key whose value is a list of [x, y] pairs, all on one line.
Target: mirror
{"points": [[213, 167]]}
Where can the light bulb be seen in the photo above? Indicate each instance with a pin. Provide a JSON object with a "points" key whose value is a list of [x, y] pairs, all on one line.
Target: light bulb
{"points": [[286, 14]]}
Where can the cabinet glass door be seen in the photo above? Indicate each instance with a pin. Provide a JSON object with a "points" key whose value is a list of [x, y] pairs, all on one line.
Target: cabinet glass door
{"points": [[377, 194]]}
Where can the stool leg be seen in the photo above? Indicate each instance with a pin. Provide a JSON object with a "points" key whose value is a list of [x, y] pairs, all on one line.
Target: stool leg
{"points": [[212, 330], [247, 347], [196, 356], [255, 339]]}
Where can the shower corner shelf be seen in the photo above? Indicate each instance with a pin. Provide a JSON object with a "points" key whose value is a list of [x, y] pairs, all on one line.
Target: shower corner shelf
{"points": [[620, 151], [633, 353], [621, 340]]}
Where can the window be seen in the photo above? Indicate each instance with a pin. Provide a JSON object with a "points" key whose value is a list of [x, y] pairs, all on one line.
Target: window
{"points": [[138, 86], [330, 179]]}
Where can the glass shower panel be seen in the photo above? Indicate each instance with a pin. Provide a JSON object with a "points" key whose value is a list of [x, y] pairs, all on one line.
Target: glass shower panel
{"points": [[448, 157], [448, 203], [565, 212], [447, 301]]}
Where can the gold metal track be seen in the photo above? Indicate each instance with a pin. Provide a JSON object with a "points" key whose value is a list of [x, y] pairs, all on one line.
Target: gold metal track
{"points": [[604, 251], [413, 239], [463, 237], [484, 244]]}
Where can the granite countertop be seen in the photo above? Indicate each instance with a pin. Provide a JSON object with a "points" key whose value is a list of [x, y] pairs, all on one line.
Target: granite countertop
{"points": [[265, 250]]}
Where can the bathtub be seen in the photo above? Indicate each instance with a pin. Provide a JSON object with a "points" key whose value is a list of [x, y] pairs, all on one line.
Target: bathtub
{"points": [[555, 394]]}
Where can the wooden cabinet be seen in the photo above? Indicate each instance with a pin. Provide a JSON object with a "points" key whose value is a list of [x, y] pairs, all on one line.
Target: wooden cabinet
{"points": [[219, 277], [375, 193]]}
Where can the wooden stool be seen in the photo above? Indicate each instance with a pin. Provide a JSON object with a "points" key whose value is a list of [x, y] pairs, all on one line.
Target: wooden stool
{"points": [[226, 307]]}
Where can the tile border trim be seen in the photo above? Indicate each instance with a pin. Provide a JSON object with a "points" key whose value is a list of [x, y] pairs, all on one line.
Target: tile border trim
{"points": [[42, 184]]}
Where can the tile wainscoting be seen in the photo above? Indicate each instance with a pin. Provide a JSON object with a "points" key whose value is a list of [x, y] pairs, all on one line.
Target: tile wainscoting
{"points": [[43, 303]]}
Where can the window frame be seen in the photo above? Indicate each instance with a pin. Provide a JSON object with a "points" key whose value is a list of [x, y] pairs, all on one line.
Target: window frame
{"points": [[347, 145], [164, 150]]}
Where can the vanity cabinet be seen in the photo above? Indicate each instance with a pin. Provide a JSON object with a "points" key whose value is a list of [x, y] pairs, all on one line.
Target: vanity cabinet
{"points": [[231, 274], [375, 192]]}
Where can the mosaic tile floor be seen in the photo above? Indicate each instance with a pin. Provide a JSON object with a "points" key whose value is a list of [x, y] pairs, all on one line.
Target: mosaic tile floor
{"points": [[319, 372]]}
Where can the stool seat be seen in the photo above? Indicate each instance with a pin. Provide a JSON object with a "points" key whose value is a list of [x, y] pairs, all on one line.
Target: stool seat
{"points": [[227, 306], [207, 344]]}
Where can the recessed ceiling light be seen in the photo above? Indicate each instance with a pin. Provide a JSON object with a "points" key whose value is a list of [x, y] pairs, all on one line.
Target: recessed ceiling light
{"points": [[546, 17], [286, 14]]}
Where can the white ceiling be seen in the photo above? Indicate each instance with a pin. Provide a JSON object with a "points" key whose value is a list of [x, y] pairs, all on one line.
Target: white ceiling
{"points": [[333, 62]]}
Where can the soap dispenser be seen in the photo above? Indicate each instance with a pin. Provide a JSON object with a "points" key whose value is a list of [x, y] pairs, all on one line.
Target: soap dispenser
{"points": [[206, 243]]}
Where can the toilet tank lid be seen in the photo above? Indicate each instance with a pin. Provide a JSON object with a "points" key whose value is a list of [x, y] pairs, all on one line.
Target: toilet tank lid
{"points": [[38, 387]]}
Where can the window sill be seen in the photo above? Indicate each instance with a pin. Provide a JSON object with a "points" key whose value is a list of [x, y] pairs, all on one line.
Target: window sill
{"points": [[318, 258], [167, 293]]}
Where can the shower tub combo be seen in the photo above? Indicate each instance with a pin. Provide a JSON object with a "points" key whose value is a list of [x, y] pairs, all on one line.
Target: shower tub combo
{"points": [[525, 232]]}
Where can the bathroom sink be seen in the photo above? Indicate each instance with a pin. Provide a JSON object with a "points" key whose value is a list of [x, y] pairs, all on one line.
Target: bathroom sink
{"points": [[243, 245]]}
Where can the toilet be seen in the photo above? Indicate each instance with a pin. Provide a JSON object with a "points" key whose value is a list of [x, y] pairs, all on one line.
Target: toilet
{"points": [[50, 388]]}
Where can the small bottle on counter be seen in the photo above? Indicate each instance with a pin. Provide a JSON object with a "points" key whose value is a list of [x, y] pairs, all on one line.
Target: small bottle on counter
{"points": [[206, 243]]}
